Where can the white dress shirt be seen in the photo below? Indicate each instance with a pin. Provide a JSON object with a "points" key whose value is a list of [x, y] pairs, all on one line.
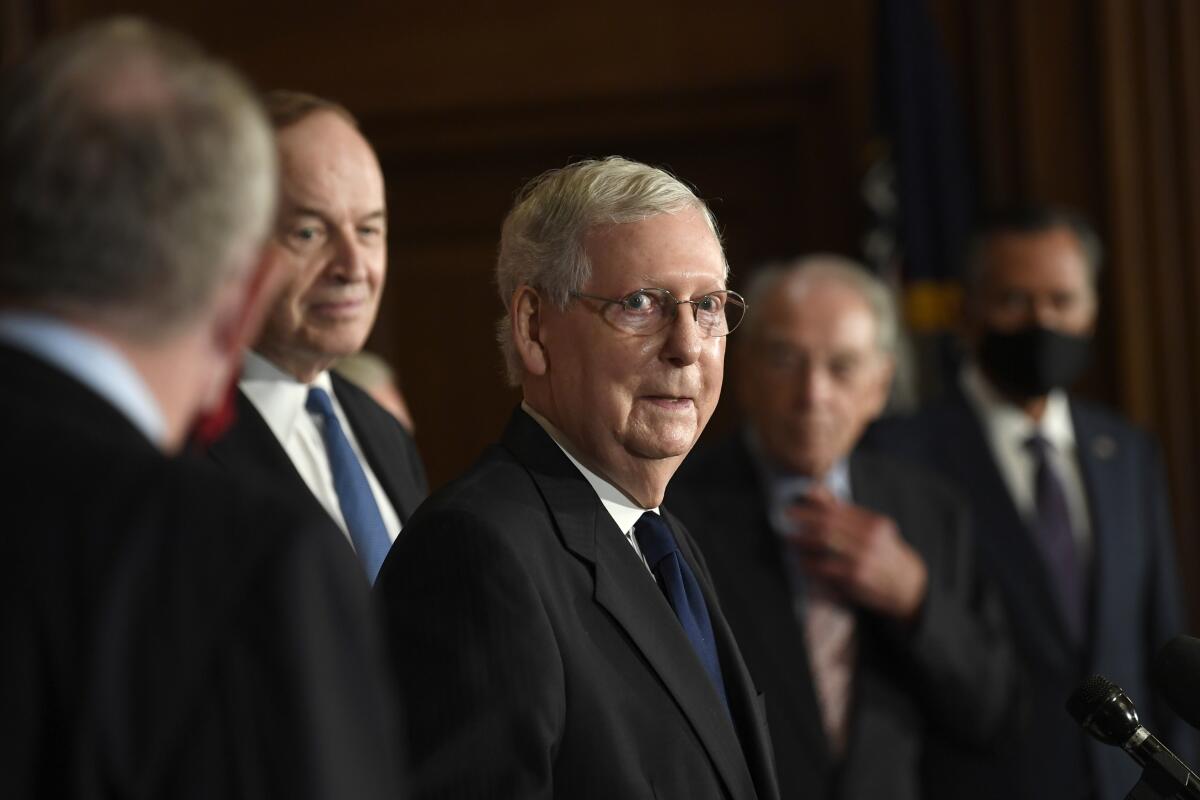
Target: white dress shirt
{"points": [[826, 619], [90, 360], [782, 489], [1008, 428], [280, 398], [623, 511]]}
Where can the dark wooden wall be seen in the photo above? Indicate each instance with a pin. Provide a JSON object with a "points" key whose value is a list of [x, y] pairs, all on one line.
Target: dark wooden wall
{"points": [[765, 106]]}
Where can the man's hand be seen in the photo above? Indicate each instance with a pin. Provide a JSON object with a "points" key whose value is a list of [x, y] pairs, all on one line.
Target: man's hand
{"points": [[859, 555]]}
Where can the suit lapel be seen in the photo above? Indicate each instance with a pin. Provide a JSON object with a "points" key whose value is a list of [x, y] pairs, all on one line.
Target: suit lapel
{"points": [[1101, 463], [868, 492], [873, 665], [628, 592], [250, 449], [400, 488], [755, 551], [1005, 541], [755, 740]]}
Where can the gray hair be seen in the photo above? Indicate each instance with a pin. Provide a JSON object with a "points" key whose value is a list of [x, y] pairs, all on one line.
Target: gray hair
{"points": [[827, 266], [138, 175], [286, 107], [542, 240]]}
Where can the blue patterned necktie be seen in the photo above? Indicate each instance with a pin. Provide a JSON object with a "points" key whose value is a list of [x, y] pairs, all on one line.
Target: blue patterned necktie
{"points": [[367, 531], [679, 584], [1055, 537]]}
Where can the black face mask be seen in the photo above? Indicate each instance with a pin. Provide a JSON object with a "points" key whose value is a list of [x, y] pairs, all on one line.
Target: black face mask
{"points": [[1033, 361]]}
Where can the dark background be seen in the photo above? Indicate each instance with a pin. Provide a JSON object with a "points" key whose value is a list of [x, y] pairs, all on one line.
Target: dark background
{"points": [[769, 107]]}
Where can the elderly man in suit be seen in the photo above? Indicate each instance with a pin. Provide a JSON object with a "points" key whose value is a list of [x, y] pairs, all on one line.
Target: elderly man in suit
{"points": [[849, 579], [556, 630], [166, 632], [315, 434], [1069, 504]]}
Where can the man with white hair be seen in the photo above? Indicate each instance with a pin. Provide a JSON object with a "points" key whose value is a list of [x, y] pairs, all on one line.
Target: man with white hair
{"points": [[166, 633], [849, 579], [311, 432], [556, 631]]}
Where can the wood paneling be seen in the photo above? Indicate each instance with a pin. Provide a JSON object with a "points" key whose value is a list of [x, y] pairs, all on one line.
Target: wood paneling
{"points": [[762, 106]]}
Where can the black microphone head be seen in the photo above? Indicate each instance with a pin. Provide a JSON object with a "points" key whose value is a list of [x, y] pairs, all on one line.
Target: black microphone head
{"points": [[1103, 710], [1177, 676]]}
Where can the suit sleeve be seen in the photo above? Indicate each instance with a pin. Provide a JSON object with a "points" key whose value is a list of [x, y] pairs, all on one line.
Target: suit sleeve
{"points": [[960, 652], [479, 669], [307, 680]]}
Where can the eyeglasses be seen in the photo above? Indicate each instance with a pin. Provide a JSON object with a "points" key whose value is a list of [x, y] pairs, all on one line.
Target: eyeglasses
{"points": [[648, 311]]}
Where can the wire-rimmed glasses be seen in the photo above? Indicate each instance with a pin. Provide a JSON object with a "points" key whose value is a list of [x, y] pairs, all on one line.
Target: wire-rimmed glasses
{"points": [[647, 311]]}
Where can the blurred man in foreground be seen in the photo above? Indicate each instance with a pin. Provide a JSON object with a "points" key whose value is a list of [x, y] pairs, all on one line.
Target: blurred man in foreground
{"points": [[849, 579], [556, 635], [166, 634]]}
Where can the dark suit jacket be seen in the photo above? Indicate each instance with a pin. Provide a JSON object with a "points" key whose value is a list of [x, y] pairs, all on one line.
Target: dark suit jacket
{"points": [[252, 454], [538, 658], [954, 672], [165, 633], [1135, 598]]}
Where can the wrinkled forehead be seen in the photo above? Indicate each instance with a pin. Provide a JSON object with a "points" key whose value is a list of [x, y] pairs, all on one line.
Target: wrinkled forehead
{"points": [[323, 159], [676, 251]]}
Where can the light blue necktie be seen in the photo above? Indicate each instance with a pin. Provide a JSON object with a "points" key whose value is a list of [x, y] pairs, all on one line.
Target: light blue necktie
{"points": [[362, 516]]}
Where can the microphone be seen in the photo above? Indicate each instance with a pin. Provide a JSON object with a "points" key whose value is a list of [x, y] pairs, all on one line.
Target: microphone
{"points": [[1177, 676], [1104, 710]]}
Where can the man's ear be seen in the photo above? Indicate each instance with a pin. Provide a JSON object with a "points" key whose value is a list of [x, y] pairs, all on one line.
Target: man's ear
{"points": [[248, 304], [527, 330], [238, 313]]}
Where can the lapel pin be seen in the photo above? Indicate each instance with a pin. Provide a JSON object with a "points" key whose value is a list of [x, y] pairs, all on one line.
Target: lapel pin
{"points": [[1104, 447]]}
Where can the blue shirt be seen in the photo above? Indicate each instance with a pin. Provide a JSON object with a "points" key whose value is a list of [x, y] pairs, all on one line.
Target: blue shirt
{"points": [[783, 488], [90, 360]]}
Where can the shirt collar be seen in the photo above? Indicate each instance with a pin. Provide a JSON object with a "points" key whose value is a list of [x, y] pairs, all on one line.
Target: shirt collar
{"points": [[279, 396], [90, 360], [1007, 422], [784, 487], [624, 511]]}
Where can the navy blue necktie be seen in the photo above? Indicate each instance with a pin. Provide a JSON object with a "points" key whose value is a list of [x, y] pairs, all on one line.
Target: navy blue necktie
{"points": [[679, 584], [367, 531], [1056, 538]]}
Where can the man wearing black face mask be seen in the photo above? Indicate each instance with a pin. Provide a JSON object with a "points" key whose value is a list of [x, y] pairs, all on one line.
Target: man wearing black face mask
{"points": [[1069, 505]]}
